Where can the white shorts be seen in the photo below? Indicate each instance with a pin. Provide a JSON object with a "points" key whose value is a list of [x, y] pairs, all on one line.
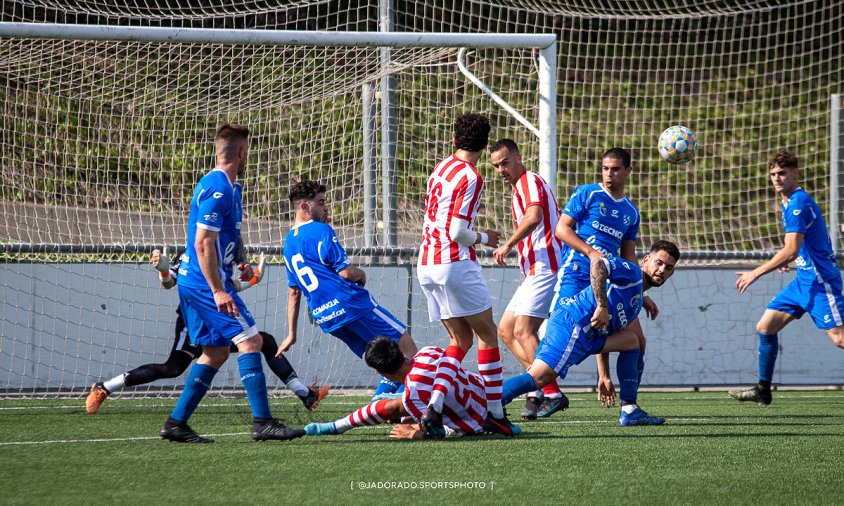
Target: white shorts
{"points": [[534, 296], [454, 289]]}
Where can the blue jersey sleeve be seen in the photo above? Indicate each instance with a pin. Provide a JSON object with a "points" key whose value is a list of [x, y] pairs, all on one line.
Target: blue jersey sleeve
{"points": [[576, 206], [621, 271], [797, 215], [292, 282], [213, 204], [331, 253]]}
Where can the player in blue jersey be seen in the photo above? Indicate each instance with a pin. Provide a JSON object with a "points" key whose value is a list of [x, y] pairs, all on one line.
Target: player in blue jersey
{"points": [[597, 320], [597, 221], [183, 352], [817, 287], [215, 315], [334, 288]]}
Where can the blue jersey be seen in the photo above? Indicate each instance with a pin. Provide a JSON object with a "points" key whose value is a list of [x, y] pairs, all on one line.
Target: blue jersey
{"points": [[816, 260], [314, 257], [602, 222], [624, 297], [217, 206]]}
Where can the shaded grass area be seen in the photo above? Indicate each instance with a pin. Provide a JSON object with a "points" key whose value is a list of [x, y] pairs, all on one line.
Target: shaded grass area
{"points": [[711, 450]]}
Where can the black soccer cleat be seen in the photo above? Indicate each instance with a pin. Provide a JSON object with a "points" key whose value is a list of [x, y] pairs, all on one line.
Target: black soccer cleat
{"points": [[550, 406], [432, 424], [182, 433], [531, 406], [501, 426], [754, 394], [275, 430]]}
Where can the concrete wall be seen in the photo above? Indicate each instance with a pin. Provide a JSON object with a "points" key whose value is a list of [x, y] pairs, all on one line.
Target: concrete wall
{"points": [[67, 325]]}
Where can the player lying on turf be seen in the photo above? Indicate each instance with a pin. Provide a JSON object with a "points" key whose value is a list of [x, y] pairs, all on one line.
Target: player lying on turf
{"points": [[597, 320], [183, 352], [464, 408]]}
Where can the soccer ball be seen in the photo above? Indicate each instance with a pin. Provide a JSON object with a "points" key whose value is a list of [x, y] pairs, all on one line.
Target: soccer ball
{"points": [[677, 144]]}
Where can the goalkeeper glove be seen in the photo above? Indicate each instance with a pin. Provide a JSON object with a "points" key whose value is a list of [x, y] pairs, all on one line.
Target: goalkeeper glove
{"points": [[161, 262], [256, 278]]}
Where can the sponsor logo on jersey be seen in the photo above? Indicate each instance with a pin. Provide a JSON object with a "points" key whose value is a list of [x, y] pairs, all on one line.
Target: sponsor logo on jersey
{"points": [[329, 317], [607, 230], [622, 316], [796, 212], [626, 219], [211, 217], [602, 209], [615, 213], [217, 195], [328, 305]]}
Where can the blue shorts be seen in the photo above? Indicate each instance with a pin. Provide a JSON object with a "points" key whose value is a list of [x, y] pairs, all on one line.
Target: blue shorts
{"points": [[567, 344], [378, 322], [568, 286], [209, 327], [823, 301]]}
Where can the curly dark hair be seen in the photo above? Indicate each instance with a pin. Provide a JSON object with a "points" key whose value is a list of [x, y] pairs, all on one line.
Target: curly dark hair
{"points": [[668, 247], [383, 355], [305, 190], [784, 159], [471, 132], [619, 154]]}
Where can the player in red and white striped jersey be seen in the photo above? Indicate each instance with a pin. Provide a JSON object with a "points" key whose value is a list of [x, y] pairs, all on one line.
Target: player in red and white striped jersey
{"points": [[535, 213], [464, 409], [450, 274]]}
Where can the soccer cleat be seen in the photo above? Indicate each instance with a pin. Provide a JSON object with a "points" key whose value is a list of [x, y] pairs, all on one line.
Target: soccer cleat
{"points": [[315, 395], [550, 406], [501, 426], [182, 433], [639, 417], [386, 396], [754, 394], [321, 429], [95, 398], [531, 406], [432, 424], [276, 431]]}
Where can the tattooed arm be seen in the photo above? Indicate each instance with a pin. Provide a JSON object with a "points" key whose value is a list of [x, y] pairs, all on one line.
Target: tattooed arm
{"points": [[598, 274]]}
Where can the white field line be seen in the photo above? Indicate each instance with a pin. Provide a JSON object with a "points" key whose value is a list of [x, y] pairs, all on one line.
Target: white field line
{"points": [[359, 429], [331, 402]]}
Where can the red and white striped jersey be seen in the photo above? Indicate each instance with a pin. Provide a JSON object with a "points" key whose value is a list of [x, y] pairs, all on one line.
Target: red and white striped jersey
{"points": [[464, 409], [540, 251], [454, 191]]}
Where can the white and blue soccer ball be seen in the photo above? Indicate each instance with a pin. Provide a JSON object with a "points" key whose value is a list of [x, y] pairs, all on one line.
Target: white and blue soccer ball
{"points": [[677, 144]]}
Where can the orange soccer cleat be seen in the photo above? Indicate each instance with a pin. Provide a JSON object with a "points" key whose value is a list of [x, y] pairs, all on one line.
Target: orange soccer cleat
{"points": [[315, 395], [95, 398]]}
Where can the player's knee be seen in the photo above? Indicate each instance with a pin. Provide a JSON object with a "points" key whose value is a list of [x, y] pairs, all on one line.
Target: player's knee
{"points": [[175, 366], [268, 343]]}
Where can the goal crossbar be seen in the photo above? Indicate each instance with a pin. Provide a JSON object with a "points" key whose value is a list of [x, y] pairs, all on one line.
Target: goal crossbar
{"points": [[545, 43]]}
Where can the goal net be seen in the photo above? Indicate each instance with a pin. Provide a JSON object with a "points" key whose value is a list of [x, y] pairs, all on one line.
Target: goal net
{"points": [[104, 140]]}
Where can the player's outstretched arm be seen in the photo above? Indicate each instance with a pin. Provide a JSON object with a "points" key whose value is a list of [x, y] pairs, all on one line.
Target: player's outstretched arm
{"points": [[257, 274], [788, 253], [565, 232], [161, 262], [606, 390], [294, 299], [531, 219]]}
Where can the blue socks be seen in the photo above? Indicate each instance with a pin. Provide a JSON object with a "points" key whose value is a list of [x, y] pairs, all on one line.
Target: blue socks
{"points": [[768, 349], [641, 365], [516, 386], [627, 368], [199, 379], [387, 386], [255, 383]]}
